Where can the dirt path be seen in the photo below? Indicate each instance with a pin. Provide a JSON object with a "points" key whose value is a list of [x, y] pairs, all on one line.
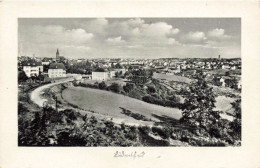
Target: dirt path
{"points": [[35, 95]]}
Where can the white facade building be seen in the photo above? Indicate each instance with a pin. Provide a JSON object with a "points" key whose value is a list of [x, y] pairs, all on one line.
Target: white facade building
{"points": [[32, 68], [101, 76], [57, 70]]}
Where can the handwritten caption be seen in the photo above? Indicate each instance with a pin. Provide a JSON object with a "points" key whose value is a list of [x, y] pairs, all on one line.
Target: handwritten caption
{"points": [[134, 155]]}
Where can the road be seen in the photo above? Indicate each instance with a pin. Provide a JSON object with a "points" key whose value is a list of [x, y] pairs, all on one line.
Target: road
{"points": [[35, 95]]}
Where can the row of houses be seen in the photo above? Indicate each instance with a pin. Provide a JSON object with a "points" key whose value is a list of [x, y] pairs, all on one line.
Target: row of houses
{"points": [[35, 68]]}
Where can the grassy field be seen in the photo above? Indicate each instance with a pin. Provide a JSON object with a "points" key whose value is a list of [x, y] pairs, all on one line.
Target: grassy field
{"points": [[223, 103], [116, 105], [171, 78]]}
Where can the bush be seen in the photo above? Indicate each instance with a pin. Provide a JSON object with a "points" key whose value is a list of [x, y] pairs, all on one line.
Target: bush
{"points": [[174, 98], [21, 108], [144, 129], [102, 85], [115, 87], [128, 87], [162, 132], [131, 133], [153, 100], [151, 89]]}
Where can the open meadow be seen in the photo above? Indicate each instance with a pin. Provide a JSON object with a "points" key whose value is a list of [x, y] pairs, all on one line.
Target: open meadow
{"points": [[118, 106]]}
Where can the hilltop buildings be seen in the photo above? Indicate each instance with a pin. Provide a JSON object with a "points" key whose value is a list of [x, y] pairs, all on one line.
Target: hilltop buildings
{"points": [[101, 76], [57, 70], [32, 68]]}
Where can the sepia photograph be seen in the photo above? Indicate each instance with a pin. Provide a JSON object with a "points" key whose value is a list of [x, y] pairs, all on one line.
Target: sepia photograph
{"points": [[129, 82]]}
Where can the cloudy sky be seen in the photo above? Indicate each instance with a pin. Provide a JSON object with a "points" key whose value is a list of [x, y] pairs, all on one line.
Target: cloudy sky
{"points": [[130, 37]]}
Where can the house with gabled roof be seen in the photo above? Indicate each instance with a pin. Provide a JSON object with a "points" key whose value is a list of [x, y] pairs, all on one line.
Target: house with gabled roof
{"points": [[32, 68], [57, 70]]}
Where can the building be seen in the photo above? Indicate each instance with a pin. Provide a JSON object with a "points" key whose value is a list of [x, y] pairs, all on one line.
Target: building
{"points": [[59, 58], [32, 68], [222, 81], [239, 84], [46, 61], [100, 76], [57, 70], [121, 71], [57, 54]]}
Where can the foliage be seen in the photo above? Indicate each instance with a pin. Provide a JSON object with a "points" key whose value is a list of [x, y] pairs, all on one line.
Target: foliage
{"points": [[198, 106], [136, 116], [232, 83], [236, 124], [102, 85], [118, 66], [151, 89], [99, 69], [115, 87], [154, 100], [22, 77], [128, 87], [140, 76]]}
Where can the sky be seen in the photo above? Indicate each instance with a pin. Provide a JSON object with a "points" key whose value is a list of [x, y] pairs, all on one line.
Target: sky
{"points": [[137, 38]]}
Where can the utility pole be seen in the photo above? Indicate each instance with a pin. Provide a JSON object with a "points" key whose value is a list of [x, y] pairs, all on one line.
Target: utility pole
{"points": [[43, 119], [56, 104]]}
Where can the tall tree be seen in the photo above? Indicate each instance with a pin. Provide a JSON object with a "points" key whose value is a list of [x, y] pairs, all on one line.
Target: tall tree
{"points": [[236, 124], [22, 77], [198, 106]]}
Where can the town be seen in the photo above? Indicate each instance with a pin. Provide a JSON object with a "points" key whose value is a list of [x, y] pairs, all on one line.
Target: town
{"points": [[108, 90], [218, 71]]}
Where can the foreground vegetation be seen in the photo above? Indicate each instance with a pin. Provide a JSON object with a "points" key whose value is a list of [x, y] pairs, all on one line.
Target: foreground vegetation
{"points": [[69, 128], [200, 125], [153, 93]]}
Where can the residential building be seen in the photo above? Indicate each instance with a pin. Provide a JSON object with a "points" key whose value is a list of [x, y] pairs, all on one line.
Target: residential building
{"points": [[222, 81], [101, 76], [32, 68], [57, 70]]}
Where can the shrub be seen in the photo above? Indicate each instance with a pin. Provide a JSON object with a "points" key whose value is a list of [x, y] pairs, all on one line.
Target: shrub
{"points": [[151, 89], [21, 108], [128, 87], [131, 133], [159, 131], [102, 85], [144, 129], [115, 87]]}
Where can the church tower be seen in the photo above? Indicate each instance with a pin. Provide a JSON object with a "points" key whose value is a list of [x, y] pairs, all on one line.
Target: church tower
{"points": [[57, 54]]}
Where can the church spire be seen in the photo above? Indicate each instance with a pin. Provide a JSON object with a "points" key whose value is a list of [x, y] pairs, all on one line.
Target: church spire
{"points": [[57, 53]]}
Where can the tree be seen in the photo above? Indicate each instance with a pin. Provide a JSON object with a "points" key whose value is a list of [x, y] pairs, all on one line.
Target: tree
{"points": [[22, 77], [236, 123], [128, 87], [99, 69], [198, 106], [232, 83], [118, 66], [115, 87], [33, 78], [102, 85], [151, 89], [112, 65], [116, 74], [40, 77]]}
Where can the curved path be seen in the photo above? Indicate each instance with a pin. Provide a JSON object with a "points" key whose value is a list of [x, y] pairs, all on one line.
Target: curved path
{"points": [[35, 95]]}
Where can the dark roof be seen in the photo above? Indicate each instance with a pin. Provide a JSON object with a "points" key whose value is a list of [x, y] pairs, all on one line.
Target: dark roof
{"points": [[57, 66], [31, 63], [46, 59]]}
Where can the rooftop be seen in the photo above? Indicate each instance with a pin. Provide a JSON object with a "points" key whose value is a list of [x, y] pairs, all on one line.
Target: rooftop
{"points": [[57, 66]]}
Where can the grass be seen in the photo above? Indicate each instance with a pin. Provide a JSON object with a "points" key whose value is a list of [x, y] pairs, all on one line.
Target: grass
{"points": [[171, 78], [111, 104]]}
